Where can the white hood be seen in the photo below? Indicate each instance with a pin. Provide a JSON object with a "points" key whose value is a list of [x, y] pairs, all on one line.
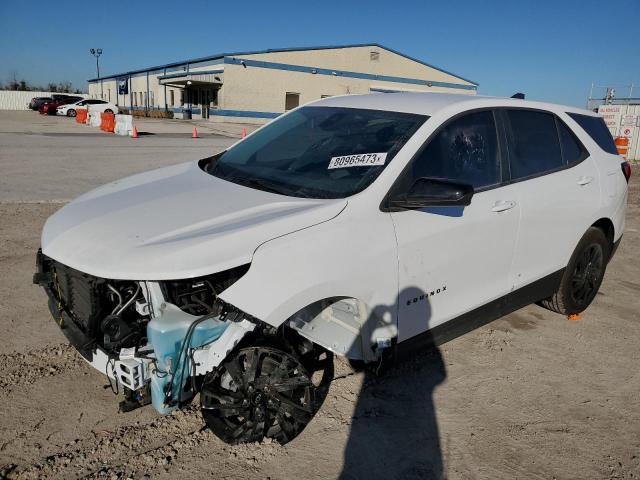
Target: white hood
{"points": [[175, 222]]}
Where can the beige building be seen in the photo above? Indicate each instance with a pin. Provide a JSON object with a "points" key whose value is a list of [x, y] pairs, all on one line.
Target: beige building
{"points": [[256, 86]]}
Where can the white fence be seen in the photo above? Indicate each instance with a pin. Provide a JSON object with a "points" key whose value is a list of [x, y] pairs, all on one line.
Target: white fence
{"points": [[624, 121], [14, 100]]}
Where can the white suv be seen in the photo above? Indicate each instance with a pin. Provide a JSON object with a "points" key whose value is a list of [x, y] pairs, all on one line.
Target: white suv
{"points": [[70, 109], [354, 225]]}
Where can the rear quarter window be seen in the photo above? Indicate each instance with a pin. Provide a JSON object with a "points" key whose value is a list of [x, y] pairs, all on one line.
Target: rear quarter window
{"points": [[597, 130], [572, 150]]}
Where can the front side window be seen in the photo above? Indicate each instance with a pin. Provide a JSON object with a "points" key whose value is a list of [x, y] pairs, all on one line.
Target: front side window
{"points": [[534, 147], [318, 152], [465, 151]]}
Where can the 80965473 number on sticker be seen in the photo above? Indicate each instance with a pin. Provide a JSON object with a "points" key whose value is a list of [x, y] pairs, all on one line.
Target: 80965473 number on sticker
{"points": [[359, 160]]}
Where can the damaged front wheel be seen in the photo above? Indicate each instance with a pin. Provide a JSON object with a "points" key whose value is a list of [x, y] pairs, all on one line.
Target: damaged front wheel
{"points": [[263, 392]]}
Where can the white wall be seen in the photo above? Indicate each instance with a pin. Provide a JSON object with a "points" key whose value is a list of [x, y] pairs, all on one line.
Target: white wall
{"points": [[14, 100], [613, 117]]}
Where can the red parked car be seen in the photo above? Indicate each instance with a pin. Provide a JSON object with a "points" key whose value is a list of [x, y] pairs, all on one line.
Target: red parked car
{"points": [[51, 107]]}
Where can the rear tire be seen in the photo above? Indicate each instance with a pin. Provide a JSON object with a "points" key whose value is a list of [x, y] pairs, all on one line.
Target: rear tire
{"points": [[583, 276], [108, 110], [71, 113]]}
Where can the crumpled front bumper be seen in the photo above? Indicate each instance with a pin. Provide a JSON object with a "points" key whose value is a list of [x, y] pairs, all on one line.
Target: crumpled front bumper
{"points": [[167, 361]]}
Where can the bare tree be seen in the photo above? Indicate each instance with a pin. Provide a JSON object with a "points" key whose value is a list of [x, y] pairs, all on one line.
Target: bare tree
{"points": [[13, 81], [65, 86]]}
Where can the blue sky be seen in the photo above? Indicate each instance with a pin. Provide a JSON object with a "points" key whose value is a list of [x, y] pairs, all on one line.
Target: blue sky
{"points": [[551, 50]]}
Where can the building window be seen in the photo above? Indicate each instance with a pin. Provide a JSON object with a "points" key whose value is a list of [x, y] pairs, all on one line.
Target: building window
{"points": [[172, 98], [291, 100], [182, 98], [374, 56]]}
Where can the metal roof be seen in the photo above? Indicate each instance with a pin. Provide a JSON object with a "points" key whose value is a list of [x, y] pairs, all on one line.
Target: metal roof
{"points": [[273, 50]]}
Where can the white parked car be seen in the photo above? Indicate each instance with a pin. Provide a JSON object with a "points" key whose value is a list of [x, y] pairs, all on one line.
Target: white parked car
{"points": [[70, 109], [355, 225]]}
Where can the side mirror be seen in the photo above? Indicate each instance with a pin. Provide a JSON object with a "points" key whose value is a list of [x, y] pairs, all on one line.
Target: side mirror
{"points": [[434, 192]]}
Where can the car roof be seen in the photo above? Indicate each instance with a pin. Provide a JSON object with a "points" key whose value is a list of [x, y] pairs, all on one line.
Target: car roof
{"points": [[430, 103]]}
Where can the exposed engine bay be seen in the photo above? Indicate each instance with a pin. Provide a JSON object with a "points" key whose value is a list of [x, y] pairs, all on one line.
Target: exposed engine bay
{"points": [[163, 342]]}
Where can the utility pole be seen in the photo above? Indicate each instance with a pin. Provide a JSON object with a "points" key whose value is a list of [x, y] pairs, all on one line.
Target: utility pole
{"points": [[96, 52]]}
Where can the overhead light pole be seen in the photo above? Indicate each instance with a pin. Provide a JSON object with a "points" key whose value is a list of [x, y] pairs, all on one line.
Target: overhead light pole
{"points": [[96, 52]]}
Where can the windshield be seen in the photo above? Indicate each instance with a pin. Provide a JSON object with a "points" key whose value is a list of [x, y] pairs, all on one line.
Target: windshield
{"points": [[318, 152]]}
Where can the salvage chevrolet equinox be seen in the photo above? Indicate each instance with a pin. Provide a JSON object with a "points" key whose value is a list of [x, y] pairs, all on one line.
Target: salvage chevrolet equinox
{"points": [[354, 226]]}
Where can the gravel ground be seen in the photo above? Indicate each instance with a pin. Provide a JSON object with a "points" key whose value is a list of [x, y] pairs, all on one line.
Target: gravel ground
{"points": [[531, 395]]}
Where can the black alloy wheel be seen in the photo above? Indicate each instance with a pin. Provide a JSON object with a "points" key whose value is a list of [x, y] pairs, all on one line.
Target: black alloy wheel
{"points": [[583, 276], [587, 274], [263, 391]]}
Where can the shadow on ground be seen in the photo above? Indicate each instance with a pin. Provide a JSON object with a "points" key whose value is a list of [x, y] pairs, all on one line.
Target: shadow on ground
{"points": [[394, 431]]}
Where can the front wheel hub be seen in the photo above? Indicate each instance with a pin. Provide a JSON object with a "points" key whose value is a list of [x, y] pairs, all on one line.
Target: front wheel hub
{"points": [[259, 392]]}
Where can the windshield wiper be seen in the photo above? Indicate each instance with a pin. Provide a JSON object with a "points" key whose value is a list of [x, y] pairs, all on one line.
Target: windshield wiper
{"points": [[259, 183]]}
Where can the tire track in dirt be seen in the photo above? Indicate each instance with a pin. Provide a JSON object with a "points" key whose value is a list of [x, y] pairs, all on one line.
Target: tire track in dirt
{"points": [[137, 450], [19, 369]]}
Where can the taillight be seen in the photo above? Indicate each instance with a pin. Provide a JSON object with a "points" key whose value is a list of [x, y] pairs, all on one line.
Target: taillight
{"points": [[626, 170]]}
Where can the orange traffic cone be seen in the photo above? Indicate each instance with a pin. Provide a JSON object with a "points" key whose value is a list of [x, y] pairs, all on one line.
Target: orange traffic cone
{"points": [[194, 134], [244, 132], [134, 132]]}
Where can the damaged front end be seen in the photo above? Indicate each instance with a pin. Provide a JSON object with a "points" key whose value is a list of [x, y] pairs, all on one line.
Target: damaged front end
{"points": [[156, 340]]}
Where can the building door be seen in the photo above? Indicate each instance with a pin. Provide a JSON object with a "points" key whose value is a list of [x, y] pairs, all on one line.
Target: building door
{"points": [[205, 99]]}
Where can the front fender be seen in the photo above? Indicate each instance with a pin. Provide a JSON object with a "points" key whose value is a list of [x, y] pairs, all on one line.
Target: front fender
{"points": [[351, 256]]}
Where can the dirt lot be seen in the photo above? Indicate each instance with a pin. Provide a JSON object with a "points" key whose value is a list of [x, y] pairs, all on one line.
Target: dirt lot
{"points": [[531, 395]]}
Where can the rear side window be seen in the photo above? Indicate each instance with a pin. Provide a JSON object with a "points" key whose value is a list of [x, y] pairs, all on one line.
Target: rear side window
{"points": [[572, 150], [465, 150], [597, 130], [534, 147]]}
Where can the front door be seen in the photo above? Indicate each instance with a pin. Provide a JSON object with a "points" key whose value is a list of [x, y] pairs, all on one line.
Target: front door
{"points": [[453, 259]]}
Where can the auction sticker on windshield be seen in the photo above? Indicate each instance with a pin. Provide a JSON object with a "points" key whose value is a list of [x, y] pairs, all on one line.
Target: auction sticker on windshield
{"points": [[359, 160]]}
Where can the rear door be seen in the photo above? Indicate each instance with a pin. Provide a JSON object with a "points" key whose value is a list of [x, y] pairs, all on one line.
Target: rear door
{"points": [[558, 189], [453, 259]]}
